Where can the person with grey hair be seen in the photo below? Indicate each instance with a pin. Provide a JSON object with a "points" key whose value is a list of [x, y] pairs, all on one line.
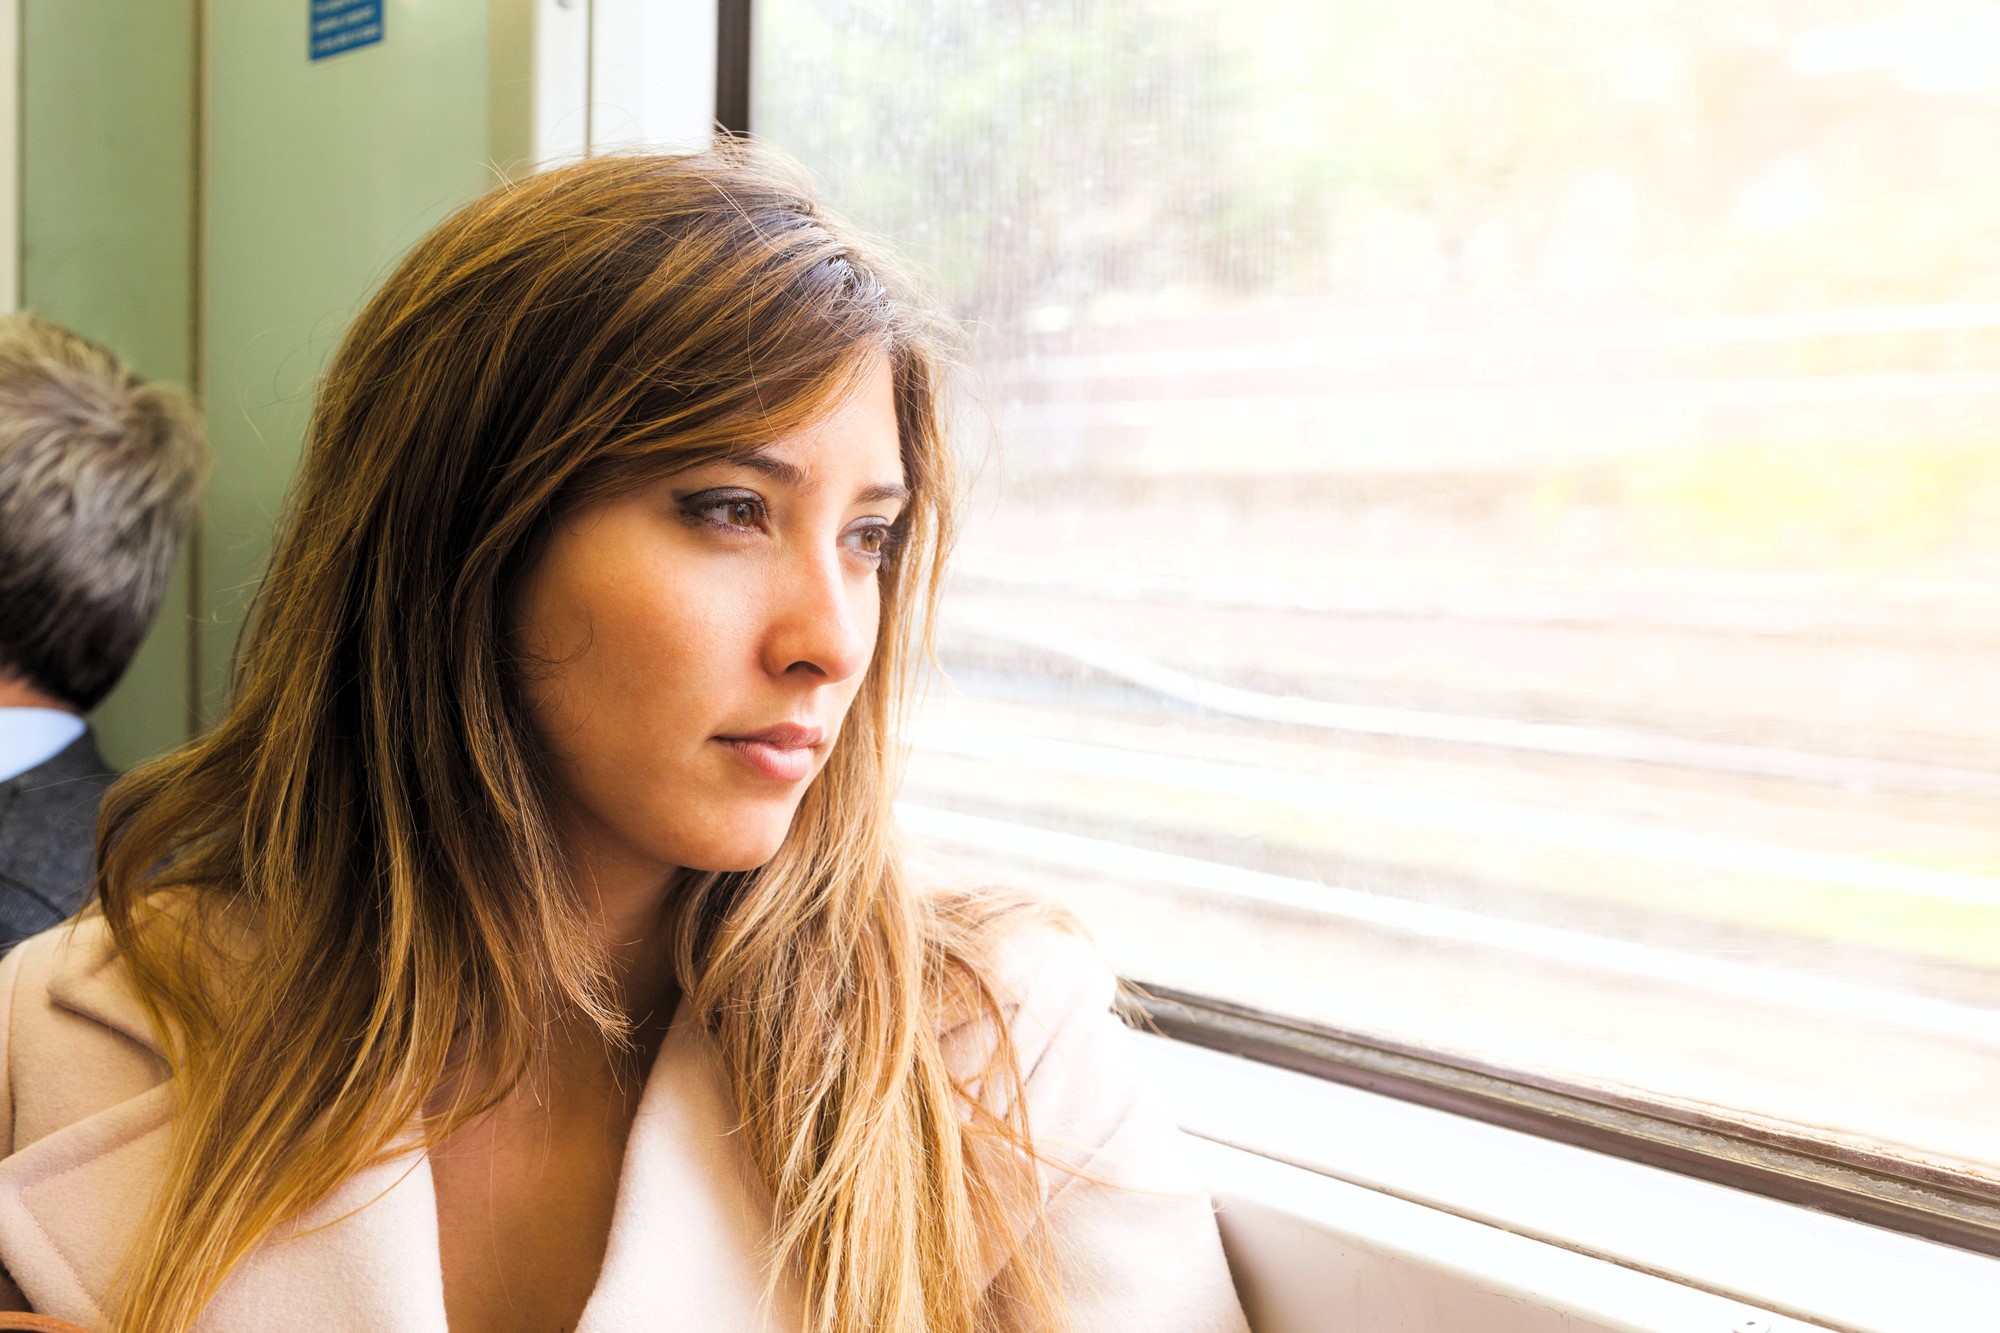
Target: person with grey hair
{"points": [[100, 472]]}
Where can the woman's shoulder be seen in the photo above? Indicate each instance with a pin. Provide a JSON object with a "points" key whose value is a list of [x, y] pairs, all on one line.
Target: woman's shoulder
{"points": [[1126, 1205], [1052, 995], [1047, 976], [77, 1037], [72, 966], [76, 970]]}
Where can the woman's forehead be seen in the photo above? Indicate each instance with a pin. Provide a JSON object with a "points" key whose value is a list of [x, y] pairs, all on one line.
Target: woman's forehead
{"points": [[854, 442]]}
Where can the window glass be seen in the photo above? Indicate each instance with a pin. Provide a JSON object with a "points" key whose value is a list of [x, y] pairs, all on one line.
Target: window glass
{"points": [[1491, 537]]}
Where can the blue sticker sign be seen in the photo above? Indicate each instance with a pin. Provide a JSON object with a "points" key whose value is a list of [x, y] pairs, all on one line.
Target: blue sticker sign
{"points": [[343, 25]]}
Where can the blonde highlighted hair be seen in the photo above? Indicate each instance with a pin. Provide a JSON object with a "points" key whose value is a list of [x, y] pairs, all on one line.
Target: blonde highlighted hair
{"points": [[371, 823]]}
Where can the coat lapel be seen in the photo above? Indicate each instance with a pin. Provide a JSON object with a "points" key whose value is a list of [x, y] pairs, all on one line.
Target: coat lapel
{"points": [[71, 1199], [365, 1258], [693, 1223], [689, 1237], [71, 1202]]}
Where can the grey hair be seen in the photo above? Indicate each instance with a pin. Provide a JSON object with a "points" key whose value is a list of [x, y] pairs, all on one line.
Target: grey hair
{"points": [[100, 475]]}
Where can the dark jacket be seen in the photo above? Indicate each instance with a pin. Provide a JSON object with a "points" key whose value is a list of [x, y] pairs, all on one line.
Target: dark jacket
{"points": [[48, 824]]}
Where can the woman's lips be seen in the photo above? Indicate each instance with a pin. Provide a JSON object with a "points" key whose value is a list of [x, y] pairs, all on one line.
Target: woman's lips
{"points": [[782, 753]]}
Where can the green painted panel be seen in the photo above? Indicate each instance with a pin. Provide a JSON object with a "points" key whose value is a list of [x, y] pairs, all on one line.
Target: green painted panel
{"points": [[107, 207], [319, 174]]}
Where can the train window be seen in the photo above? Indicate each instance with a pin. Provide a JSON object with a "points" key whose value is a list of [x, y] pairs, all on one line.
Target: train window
{"points": [[1490, 563]]}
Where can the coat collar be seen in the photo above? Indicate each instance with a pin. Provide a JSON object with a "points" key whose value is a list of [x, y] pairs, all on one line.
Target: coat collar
{"points": [[689, 1232], [87, 979]]}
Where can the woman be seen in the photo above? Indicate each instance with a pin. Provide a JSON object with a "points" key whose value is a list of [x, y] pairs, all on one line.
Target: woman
{"points": [[527, 948]]}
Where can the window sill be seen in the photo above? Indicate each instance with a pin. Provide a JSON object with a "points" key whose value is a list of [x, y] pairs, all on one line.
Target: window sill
{"points": [[1474, 1212]]}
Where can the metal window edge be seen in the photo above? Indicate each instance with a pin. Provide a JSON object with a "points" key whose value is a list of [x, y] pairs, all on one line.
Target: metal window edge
{"points": [[1803, 1262], [734, 44], [1916, 1199]]}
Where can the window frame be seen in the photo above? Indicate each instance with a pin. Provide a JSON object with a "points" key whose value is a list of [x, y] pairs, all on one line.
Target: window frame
{"points": [[1330, 1194], [1861, 1186], [1872, 1188], [734, 40]]}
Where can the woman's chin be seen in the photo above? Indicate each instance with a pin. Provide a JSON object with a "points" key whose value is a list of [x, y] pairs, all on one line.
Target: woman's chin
{"points": [[720, 864], [726, 851]]}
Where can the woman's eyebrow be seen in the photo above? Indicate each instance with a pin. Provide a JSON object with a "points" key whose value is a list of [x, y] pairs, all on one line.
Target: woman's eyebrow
{"points": [[774, 467], [792, 475], [883, 491]]}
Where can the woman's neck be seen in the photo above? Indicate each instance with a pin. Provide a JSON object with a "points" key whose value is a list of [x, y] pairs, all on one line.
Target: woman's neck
{"points": [[627, 905]]}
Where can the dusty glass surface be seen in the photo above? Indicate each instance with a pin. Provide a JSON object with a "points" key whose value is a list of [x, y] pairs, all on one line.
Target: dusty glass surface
{"points": [[1493, 533]]}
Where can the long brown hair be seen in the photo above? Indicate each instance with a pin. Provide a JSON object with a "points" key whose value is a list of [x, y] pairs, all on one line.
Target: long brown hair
{"points": [[369, 825]]}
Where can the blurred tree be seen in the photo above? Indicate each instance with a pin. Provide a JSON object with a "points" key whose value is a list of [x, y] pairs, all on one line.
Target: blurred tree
{"points": [[1050, 157]]}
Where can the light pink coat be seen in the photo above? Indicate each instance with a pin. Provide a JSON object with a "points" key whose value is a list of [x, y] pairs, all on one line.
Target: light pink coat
{"points": [[86, 1109]]}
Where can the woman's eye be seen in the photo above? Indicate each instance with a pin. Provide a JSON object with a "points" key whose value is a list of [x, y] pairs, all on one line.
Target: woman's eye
{"points": [[873, 541], [739, 513]]}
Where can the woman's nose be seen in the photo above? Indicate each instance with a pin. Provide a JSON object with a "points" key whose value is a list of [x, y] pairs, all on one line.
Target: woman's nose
{"points": [[825, 621]]}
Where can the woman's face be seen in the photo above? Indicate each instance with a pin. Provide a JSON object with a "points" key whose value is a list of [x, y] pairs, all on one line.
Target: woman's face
{"points": [[695, 644]]}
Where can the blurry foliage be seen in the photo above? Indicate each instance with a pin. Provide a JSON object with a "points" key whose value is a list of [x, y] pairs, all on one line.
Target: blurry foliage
{"points": [[1117, 175], [1045, 155], [995, 143]]}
